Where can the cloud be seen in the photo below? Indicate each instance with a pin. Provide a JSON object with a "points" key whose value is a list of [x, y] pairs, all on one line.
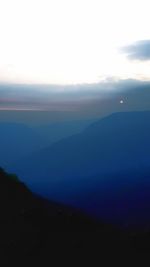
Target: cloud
{"points": [[138, 51], [87, 99]]}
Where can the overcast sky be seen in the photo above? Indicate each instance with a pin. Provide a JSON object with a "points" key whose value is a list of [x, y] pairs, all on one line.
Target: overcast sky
{"points": [[86, 99], [73, 41]]}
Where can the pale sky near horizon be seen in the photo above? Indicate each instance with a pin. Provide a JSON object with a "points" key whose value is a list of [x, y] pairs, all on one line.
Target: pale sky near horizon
{"points": [[71, 41]]}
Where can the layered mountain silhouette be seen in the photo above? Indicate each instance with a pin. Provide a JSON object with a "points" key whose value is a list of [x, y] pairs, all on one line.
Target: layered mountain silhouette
{"points": [[54, 132], [104, 170], [17, 140], [24, 140], [36, 232]]}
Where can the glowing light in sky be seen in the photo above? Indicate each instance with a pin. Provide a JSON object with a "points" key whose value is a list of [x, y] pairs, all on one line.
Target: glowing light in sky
{"points": [[70, 41]]}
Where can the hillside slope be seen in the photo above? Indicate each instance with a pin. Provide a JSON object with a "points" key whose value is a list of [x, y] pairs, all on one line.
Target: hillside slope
{"points": [[36, 232], [109, 157]]}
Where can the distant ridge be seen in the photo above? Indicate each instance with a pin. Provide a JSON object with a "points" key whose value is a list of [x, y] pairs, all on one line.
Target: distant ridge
{"points": [[94, 166]]}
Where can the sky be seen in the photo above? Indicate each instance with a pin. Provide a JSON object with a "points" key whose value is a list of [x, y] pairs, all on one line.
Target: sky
{"points": [[74, 55], [73, 41]]}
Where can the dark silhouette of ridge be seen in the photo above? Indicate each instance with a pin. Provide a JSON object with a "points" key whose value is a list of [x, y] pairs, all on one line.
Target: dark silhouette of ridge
{"points": [[33, 229], [37, 232]]}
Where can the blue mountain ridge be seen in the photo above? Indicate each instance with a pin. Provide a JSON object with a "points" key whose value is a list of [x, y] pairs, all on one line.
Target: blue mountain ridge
{"points": [[91, 169]]}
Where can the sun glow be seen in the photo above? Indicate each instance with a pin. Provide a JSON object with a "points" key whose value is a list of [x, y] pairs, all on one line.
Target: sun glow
{"points": [[69, 41]]}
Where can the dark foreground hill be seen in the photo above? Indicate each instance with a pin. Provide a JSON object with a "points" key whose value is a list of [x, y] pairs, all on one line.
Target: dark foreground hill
{"points": [[36, 232]]}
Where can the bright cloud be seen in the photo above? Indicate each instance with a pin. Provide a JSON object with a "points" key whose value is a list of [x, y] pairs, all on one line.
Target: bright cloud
{"points": [[70, 41]]}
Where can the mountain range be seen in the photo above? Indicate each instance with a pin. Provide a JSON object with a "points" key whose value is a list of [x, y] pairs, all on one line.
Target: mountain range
{"points": [[38, 232], [103, 170], [24, 139]]}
